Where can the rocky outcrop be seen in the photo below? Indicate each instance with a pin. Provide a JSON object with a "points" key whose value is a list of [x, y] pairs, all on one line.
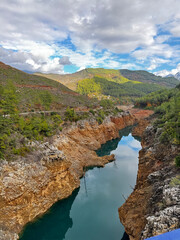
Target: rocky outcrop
{"points": [[153, 207], [139, 129], [29, 186]]}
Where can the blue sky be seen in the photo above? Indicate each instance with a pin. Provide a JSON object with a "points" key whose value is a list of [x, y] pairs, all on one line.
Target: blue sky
{"points": [[65, 36]]}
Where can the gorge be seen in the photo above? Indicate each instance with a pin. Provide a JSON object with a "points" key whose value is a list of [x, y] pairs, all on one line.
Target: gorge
{"points": [[29, 187], [91, 211]]}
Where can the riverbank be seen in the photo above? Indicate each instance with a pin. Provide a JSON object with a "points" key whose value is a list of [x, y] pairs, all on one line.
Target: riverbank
{"points": [[154, 206], [29, 186]]}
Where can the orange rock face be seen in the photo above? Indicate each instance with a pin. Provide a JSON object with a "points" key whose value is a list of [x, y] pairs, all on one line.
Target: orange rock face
{"points": [[155, 171], [30, 186]]}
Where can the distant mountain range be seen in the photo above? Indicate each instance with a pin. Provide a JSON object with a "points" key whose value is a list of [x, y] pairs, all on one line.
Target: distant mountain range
{"points": [[177, 75], [111, 82], [67, 90]]}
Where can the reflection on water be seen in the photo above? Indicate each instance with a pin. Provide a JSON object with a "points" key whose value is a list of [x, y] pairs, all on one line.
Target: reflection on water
{"points": [[92, 212], [54, 224]]}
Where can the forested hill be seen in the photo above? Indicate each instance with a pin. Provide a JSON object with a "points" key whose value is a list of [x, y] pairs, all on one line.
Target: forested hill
{"points": [[71, 80], [146, 77], [166, 104], [122, 84], [118, 76], [37, 92]]}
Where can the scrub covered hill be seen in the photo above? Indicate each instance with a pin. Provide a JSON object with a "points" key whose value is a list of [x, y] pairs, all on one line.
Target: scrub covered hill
{"points": [[98, 82], [146, 77], [166, 104], [71, 80], [39, 93], [99, 85], [34, 108]]}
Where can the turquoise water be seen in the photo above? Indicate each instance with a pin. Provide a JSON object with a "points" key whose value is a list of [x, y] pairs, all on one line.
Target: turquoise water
{"points": [[91, 213]]}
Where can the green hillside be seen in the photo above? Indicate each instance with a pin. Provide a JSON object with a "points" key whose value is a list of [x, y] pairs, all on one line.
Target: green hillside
{"points": [[40, 93], [166, 104], [71, 80], [34, 108], [99, 82], [146, 77], [102, 86]]}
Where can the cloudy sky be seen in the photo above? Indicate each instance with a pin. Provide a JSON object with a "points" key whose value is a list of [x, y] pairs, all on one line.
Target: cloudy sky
{"points": [[64, 36]]}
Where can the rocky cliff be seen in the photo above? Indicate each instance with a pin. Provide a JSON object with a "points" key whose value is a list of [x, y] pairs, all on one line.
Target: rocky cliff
{"points": [[29, 186], [154, 206]]}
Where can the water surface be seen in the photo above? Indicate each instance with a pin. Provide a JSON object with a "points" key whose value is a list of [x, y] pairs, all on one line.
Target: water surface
{"points": [[91, 213]]}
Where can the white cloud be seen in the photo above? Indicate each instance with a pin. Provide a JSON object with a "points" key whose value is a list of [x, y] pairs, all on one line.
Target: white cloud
{"points": [[164, 73], [34, 29]]}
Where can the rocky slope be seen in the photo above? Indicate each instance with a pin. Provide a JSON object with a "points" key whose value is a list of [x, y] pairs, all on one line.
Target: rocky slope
{"points": [[29, 186], [154, 206]]}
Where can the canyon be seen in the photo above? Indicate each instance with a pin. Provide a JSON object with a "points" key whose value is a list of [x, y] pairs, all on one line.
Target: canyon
{"points": [[31, 185]]}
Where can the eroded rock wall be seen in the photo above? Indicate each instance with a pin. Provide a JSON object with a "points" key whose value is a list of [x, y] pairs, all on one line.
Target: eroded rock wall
{"points": [[154, 206], [29, 186]]}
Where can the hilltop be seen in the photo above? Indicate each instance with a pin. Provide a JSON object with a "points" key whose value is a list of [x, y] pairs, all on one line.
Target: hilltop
{"points": [[34, 108], [122, 84], [146, 77], [40, 93]]}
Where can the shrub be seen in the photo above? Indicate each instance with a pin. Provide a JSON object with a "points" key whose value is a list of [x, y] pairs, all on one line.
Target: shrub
{"points": [[99, 120], [71, 115], [177, 160], [92, 111], [175, 181]]}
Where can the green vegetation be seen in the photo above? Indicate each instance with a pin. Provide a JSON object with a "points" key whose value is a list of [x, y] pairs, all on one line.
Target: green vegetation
{"points": [[106, 103], [155, 98], [146, 77], [122, 84], [71, 115], [16, 130], [175, 181], [177, 162], [166, 104], [36, 93], [24, 117], [99, 85], [87, 86]]}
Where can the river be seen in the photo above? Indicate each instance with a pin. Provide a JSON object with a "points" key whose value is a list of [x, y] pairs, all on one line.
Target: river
{"points": [[91, 212]]}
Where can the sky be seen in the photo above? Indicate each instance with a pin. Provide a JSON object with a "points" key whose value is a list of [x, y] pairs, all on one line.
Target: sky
{"points": [[65, 36]]}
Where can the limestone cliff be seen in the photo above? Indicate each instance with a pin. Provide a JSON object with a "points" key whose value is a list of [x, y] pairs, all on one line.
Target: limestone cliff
{"points": [[154, 206], [29, 186]]}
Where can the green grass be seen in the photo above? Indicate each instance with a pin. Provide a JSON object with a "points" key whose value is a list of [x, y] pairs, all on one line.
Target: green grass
{"points": [[175, 181]]}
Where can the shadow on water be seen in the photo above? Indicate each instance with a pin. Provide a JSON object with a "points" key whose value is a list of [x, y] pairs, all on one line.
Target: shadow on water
{"points": [[111, 145], [91, 212], [125, 236], [44, 228]]}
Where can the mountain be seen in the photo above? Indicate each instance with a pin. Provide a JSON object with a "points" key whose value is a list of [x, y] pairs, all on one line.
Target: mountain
{"points": [[146, 77], [71, 80], [40, 93], [111, 82], [177, 76]]}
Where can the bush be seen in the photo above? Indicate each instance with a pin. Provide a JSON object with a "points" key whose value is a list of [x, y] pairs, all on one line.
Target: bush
{"points": [[92, 111], [101, 114], [71, 115], [106, 103], [175, 181], [177, 160], [99, 120]]}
